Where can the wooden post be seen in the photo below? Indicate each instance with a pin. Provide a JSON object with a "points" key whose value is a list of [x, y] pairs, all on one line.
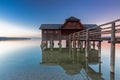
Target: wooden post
{"points": [[74, 41], [99, 61], [46, 44], [60, 45], [84, 44], [99, 49], [81, 45], [78, 45], [70, 44], [78, 41], [93, 44], [112, 63], [60, 38], [89, 46], [112, 76], [67, 43], [50, 45], [87, 43]]}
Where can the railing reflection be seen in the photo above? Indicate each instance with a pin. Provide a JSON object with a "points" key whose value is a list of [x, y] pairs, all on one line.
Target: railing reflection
{"points": [[73, 61]]}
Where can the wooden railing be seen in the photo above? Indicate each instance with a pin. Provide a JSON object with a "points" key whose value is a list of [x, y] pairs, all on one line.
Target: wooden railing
{"points": [[96, 33]]}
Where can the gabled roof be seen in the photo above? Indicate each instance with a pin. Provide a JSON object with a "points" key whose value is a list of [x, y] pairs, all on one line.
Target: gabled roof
{"points": [[58, 26], [72, 18], [50, 26]]}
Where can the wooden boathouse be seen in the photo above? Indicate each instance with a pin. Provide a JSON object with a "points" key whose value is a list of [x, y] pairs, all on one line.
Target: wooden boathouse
{"points": [[59, 32]]}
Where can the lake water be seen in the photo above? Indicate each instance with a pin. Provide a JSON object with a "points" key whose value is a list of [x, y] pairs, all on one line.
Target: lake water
{"points": [[24, 60]]}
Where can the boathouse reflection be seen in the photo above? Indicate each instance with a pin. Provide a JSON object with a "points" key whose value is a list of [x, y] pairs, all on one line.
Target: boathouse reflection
{"points": [[74, 62]]}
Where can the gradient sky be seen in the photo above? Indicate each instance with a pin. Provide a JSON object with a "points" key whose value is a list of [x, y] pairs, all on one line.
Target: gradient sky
{"points": [[23, 17]]}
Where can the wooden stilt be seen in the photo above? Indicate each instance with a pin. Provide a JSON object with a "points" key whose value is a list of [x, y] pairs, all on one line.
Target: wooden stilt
{"points": [[70, 44], [74, 41], [84, 44], [67, 43], [81, 47], [60, 45], [46, 44], [112, 76], [99, 61], [78, 45], [87, 44], [93, 44], [51, 48], [112, 62], [99, 49]]}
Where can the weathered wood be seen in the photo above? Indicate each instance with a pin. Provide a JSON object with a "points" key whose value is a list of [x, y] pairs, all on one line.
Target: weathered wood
{"points": [[46, 44], [93, 44], [112, 62], [87, 44], [78, 45], [112, 76], [60, 45], [99, 49], [110, 22]]}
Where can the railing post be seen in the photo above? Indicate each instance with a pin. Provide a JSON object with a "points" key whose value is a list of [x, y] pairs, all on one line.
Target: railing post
{"points": [[87, 43], [112, 62]]}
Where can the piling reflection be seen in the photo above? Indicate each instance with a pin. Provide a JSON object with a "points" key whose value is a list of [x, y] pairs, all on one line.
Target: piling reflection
{"points": [[74, 62]]}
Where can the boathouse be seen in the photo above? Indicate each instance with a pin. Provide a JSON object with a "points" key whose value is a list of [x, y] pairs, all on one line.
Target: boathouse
{"points": [[59, 32]]}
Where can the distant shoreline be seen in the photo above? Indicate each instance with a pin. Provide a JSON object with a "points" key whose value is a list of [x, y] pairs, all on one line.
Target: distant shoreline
{"points": [[13, 38]]}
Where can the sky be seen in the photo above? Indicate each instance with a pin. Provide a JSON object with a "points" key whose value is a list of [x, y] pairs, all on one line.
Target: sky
{"points": [[22, 18]]}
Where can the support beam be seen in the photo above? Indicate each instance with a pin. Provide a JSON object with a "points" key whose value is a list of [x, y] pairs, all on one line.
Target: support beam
{"points": [[112, 62]]}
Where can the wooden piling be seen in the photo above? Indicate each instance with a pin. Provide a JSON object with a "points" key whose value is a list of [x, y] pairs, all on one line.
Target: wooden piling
{"points": [[112, 62], [51, 45], [46, 44], [78, 45], [74, 41], [93, 44], [81, 45], [87, 43], [99, 49], [67, 43], [60, 45]]}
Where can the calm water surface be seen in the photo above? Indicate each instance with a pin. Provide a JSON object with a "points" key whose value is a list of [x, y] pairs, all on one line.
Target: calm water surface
{"points": [[24, 60]]}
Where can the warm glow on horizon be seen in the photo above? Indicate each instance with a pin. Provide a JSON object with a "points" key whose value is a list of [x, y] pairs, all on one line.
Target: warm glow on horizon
{"points": [[8, 29]]}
